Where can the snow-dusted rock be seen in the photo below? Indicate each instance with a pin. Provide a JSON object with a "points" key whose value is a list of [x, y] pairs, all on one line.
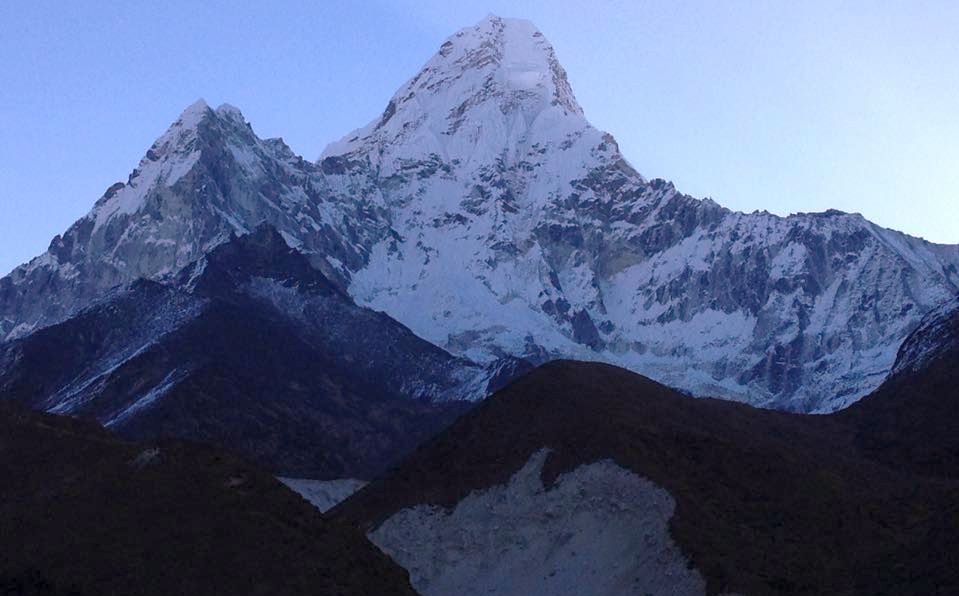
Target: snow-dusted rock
{"points": [[936, 336]]}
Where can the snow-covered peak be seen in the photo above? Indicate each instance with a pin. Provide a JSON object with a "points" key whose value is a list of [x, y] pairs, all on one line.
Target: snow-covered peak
{"points": [[492, 89], [192, 114], [523, 60], [173, 155], [206, 177]]}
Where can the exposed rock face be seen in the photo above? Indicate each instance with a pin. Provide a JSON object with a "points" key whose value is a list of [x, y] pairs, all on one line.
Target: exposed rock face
{"points": [[485, 213], [936, 338]]}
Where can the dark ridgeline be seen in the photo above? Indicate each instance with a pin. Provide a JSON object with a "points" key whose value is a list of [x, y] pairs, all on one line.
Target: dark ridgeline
{"points": [[83, 513]]}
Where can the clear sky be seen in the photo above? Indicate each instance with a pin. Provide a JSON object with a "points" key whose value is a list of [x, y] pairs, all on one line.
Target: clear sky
{"points": [[782, 106]]}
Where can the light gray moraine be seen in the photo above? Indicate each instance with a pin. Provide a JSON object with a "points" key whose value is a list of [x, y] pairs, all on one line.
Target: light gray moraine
{"points": [[324, 494], [599, 530]]}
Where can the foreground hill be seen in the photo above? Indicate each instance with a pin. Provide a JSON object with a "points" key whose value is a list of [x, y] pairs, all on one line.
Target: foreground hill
{"points": [[84, 513], [582, 469]]}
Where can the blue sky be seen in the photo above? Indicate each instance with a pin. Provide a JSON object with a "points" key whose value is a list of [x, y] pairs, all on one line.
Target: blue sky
{"points": [[781, 106]]}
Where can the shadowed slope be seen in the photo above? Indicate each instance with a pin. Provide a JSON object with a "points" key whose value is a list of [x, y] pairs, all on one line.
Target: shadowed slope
{"points": [[82, 512], [254, 350]]}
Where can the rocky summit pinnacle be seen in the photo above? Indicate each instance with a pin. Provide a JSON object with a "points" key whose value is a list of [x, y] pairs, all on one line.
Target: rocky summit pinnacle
{"points": [[480, 95], [484, 212], [171, 157]]}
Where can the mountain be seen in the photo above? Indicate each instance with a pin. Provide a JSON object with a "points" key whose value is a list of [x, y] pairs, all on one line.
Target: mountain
{"points": [[484, 212], [589, 479], [85, 513], [208, 177], [531, 234], [253, 349]]}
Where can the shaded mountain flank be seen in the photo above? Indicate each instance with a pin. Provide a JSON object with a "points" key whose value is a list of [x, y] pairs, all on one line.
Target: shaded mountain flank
{"points": [[252, 349], [864, 501], [85, 513]]}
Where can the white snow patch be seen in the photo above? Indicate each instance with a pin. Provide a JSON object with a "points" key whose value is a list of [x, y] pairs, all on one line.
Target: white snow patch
{"points": [[74, 394], [172, 378], [599, 530], [21, 330], [323, 494]]}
